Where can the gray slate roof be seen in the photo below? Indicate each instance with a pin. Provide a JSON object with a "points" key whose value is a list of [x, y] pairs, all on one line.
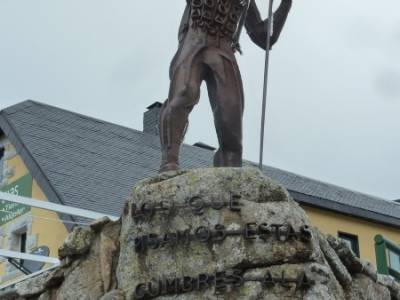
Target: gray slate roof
{"points": [[92, 164]]}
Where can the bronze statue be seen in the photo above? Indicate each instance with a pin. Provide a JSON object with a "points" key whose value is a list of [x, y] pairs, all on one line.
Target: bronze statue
{"points": [[208, 38]]}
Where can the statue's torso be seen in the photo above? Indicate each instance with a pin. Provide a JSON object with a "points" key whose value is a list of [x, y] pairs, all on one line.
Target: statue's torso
{"points": [[210, 28], [217, 17]]}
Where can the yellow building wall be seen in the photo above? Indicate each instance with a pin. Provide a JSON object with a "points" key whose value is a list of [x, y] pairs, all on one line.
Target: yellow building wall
{"points": [[19, 170], [46, 225], [50, 231], [16, 163], [332, 222]]}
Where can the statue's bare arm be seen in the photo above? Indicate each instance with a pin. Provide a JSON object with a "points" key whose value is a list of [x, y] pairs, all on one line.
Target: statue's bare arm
{"points": [[257, 28]]}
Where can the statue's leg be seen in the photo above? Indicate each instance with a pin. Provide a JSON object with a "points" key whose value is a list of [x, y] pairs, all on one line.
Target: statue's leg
{"points": [[226, 96], [184, 93]]}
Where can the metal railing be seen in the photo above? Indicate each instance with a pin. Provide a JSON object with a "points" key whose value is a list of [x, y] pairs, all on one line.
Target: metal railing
{"points": [[68, 210], [65, 210], [387, 257], [22, 278]]}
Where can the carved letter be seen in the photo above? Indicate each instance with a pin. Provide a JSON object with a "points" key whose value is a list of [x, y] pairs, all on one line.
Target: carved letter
{"points": [[140, 291], [220, 233], [197, 205], [290, 233], [217, 205], [234, 204], [183, 236], [234, 278], [306, 233], [146, 211], [153, 242], [134, 211], [168, 238], [277, 229], [187, 284], [268, 281], [165, 206], [202, 282], [284, 281], [139, 244], [220, 285], [154, 288], [172, 285], [250, 230], [303, 282], [265, 231], [203, 234]]}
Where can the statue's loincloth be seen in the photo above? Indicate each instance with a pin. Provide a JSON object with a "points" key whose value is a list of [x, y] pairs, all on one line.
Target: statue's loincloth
{"points": [[201, 48]]}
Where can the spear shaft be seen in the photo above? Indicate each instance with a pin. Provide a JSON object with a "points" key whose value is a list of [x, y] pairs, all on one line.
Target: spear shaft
{"points": [[265, 88]]}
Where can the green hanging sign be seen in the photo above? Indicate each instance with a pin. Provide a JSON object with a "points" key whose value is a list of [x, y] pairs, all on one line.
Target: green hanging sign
{"points": [[9, 210]]}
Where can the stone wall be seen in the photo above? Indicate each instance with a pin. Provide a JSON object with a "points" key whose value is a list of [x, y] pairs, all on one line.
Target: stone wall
{"points": [[208, 234]]}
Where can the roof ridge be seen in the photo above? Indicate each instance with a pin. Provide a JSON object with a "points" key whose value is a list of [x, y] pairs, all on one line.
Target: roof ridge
{"points": [[15, 106], [71, 112]]}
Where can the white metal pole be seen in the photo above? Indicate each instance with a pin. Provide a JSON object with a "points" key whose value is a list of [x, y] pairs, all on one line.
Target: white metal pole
{"points": [[22, 278], [265, 88], [32, 257], [68, 210]]}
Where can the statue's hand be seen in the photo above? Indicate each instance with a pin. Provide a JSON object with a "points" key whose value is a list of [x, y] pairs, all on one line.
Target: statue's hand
{"points": [[258, 29]]}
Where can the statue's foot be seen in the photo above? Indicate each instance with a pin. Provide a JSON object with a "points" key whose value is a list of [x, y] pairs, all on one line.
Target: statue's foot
{"points": [[228, 159], [169, 167]]}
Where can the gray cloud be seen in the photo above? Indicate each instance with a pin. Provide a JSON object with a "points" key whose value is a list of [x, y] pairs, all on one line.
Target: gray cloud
{"points": [[388, 84]]}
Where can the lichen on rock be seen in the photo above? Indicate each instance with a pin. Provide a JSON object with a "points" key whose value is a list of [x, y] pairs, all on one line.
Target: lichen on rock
{"points": [[77, 243], [221, 233]]}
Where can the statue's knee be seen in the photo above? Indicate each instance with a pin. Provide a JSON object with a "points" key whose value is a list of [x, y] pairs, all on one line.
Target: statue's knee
{"points": [[182, 101], [175, 107], [189, 93]]}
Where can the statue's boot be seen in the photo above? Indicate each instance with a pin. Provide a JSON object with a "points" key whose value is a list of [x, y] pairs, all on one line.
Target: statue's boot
{"points": [[228, 158], [170, 158], [173, 125]]}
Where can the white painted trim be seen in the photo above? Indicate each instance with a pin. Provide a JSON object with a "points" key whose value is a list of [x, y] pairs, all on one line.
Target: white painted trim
{"points": [[25, 256], [22, 278], [73, 211]]}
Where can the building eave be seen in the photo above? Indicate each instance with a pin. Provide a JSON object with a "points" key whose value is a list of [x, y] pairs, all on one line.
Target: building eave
{"points": [[333, 206]]}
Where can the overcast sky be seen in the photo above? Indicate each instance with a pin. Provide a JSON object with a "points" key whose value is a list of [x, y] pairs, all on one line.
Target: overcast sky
{"points": [[334, 102]]}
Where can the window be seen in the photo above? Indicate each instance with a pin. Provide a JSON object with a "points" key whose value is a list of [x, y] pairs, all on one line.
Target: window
{"points": [[22, 244], [18, 241], [394, 260], [387, 256], [351, 240]]}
